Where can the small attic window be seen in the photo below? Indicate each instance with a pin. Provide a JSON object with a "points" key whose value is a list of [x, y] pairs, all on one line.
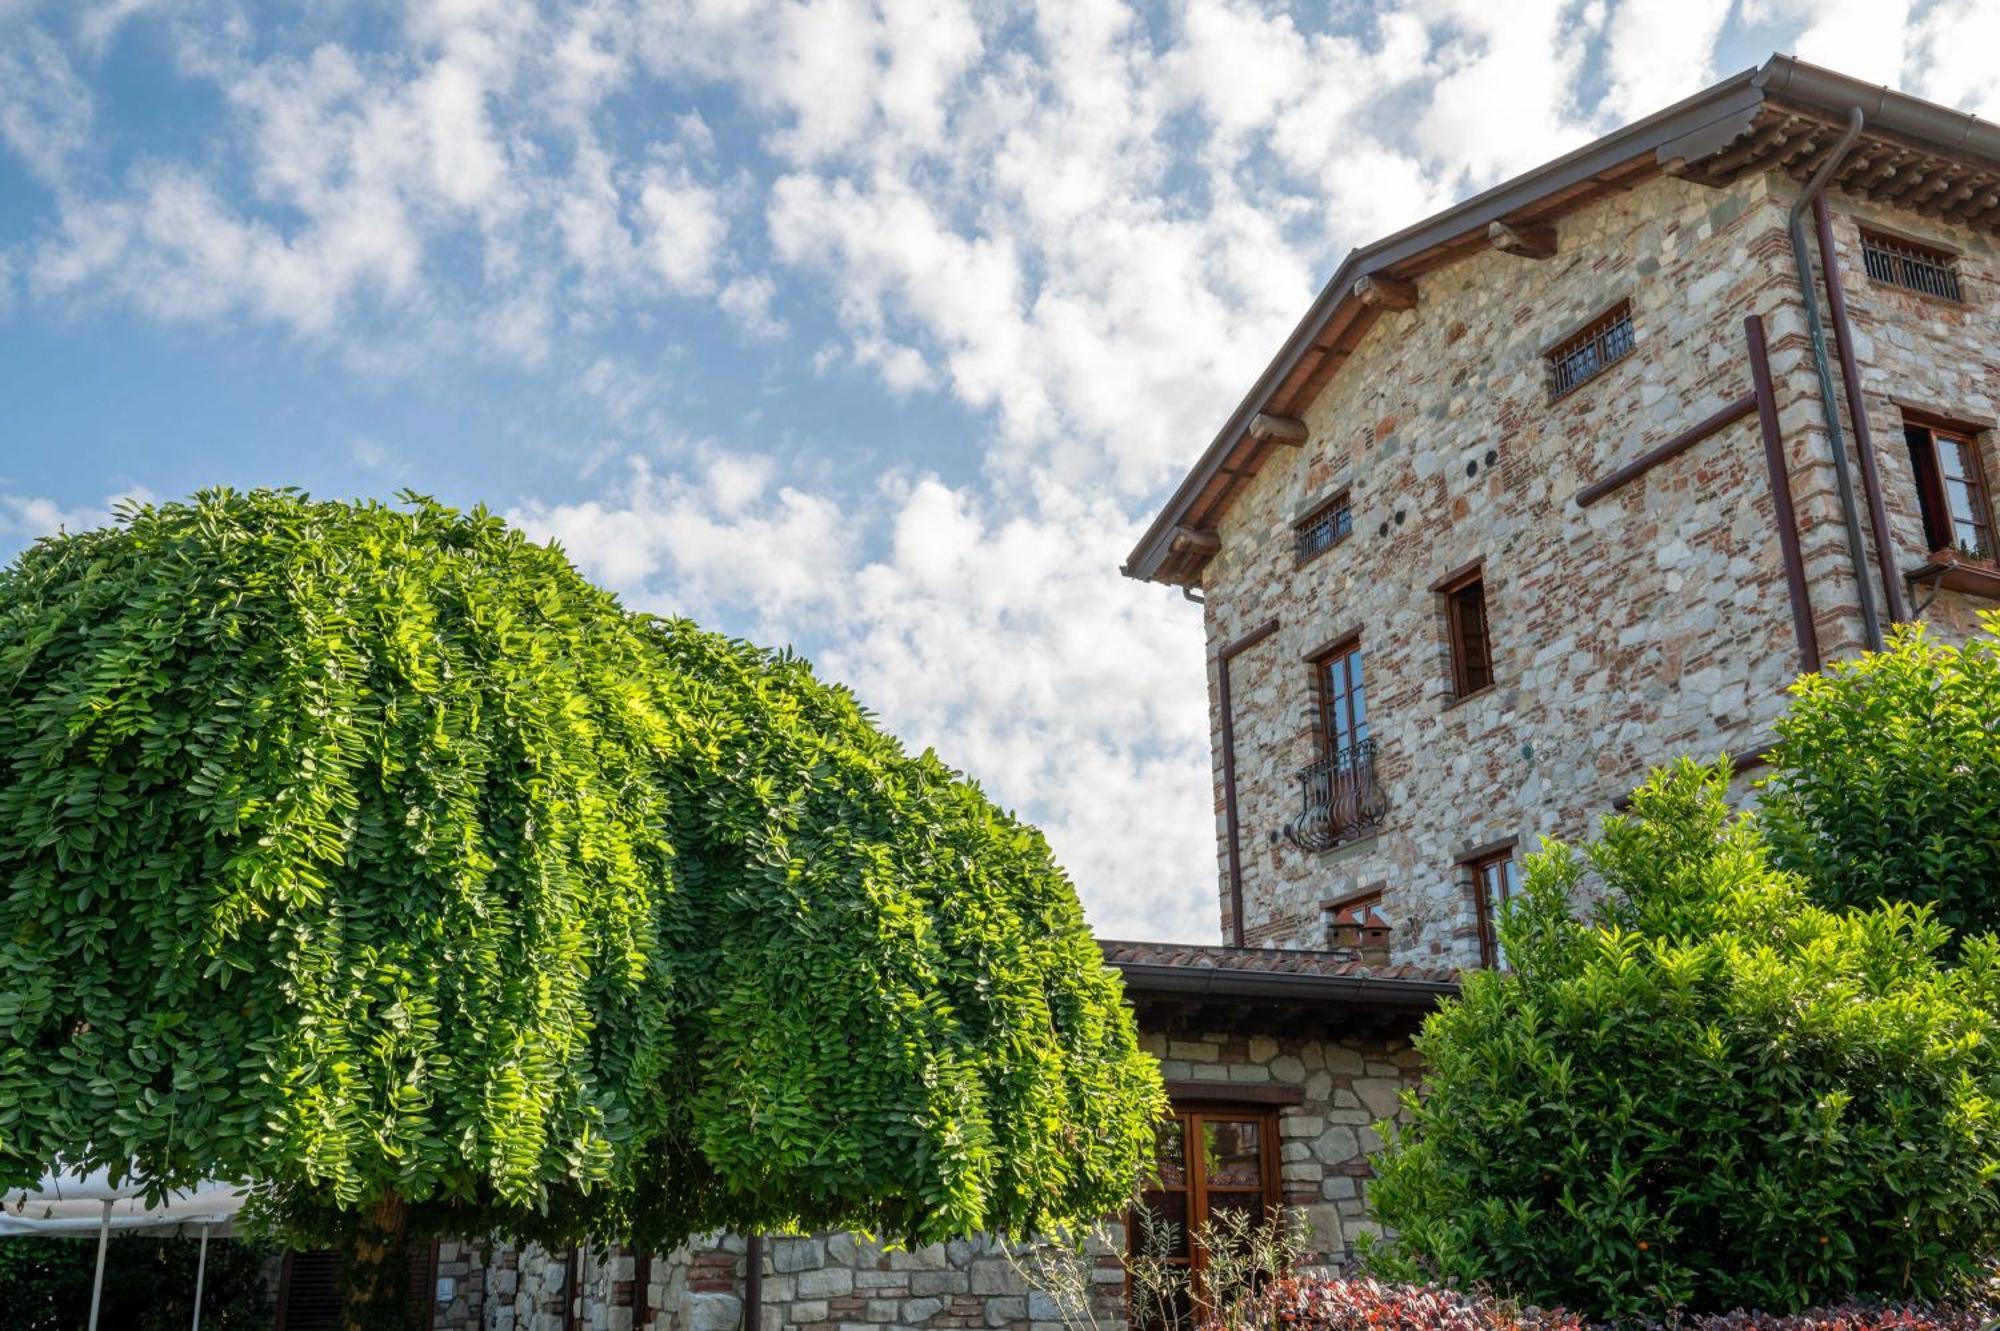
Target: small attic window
{"points": [[1324, 527], [1585, 354], [1905, 263]]}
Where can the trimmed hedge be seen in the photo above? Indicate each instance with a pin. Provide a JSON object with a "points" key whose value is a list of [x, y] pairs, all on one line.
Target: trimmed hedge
{"points": [[1885, 779], [1716, 1094]]}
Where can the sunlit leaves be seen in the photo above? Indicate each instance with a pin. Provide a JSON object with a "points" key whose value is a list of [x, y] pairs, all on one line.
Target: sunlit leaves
{"points": [[1716, 1094], [357, 849], [1886, 778]]}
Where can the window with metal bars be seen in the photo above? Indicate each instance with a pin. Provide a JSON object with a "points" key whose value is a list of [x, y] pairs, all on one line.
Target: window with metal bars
{"points": [[1906, 264], [1584, 355], [1323, 528]]}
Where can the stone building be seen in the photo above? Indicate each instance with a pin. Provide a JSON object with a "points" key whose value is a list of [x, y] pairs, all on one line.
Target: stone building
{"points": [[1542, 491], [1559, 483]]}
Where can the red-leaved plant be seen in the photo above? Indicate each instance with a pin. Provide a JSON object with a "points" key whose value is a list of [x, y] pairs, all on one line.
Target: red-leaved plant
{"points": [[1298, 1303]]}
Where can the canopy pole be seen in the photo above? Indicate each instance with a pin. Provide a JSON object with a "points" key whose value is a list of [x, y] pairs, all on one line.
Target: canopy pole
{"points": [[97, 1281], [200, 1270]]}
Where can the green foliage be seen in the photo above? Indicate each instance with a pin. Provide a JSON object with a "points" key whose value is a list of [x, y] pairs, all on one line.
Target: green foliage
{"points": [[1717, 1094], [148, 1283], [368, 853], [1886, 781]]}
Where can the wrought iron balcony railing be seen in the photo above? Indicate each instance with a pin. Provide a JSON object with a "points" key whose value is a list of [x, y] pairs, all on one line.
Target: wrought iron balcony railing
{"points": [[1339, 798]]}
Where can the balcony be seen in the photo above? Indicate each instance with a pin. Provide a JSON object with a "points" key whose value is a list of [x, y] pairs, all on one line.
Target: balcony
{"points": [[1339, 799]]}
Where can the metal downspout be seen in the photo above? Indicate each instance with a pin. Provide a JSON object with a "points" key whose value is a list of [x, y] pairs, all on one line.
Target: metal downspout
{"points": [[1857, 413], [753, 1282], [1871, 622]]}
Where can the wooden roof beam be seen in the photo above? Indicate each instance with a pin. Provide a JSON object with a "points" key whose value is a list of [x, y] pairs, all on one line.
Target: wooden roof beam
{"points": [[1190, 540], [1771, 136], [1288, 430], [1526, 240], [1379, 291]]}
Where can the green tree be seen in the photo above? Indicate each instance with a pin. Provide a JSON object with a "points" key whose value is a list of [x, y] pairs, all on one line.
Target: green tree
{"points": [[1716, 1094], [373, 857], [1886, 778]]}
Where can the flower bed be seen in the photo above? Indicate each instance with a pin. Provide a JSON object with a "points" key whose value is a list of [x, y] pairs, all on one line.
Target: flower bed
{"points": [[1300, 1304]]}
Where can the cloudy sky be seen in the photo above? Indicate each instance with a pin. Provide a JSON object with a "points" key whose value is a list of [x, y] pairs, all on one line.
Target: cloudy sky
{"points": [[875, 328]]}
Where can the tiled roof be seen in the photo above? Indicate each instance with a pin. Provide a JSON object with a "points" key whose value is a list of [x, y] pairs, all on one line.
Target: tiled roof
{"points": [[1343, 963]]}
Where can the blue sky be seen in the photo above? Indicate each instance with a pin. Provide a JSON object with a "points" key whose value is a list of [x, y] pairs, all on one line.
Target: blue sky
{"points": [[874, 328]]}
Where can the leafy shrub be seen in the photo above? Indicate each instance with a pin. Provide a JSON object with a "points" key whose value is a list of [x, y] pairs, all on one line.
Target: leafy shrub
{"points": [[1716, 1095], [1299, 1304], [148, 1283], [373, 856], [1886, 780]]}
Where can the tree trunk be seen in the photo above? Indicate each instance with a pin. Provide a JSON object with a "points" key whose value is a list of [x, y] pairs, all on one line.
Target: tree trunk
{"points": [[375, 1278]]}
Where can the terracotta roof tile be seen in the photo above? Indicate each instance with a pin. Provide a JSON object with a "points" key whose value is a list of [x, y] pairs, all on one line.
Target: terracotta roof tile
{"points": [[1270, 960]]}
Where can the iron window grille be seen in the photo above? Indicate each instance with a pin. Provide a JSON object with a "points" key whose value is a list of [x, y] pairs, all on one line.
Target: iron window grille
{"points": [[1916, 267], [1582, 357], [1323, 528]]}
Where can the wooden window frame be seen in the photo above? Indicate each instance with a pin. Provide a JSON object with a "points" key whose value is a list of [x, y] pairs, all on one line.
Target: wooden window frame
{"points": [[1343, 651], [1195, 1186], [1934, 502], [1484, 907], [1452, 588], [420, 1287]]}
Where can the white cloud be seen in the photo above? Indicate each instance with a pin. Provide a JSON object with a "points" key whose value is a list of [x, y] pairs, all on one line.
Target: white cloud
{"points": [[26, 518], [1659, 51], [747, 301], [45, 108], [996, 634], [1088, 225], [1952, 55]]}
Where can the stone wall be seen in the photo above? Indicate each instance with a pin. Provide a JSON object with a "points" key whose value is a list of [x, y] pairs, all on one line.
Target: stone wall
{"points": [[840, 1281], [1654, 623], [1922, 352]]}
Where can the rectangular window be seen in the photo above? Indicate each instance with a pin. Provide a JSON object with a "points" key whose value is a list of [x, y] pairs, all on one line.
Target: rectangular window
{"points": [[1343, 699], [1323, 528], [1495, 881], [1471, 646], [1904, 263], [1584, 355], [1209, 1164], [1951, 491]]}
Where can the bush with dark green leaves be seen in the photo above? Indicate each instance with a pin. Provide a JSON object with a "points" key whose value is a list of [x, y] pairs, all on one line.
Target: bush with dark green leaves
{"points": [[1886, 778], [372, 856], [149, 1283], [1715, 1094]]}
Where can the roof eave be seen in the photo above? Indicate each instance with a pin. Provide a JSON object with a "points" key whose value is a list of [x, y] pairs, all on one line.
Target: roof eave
{"points": [[1734, 95], [1304, 989]]}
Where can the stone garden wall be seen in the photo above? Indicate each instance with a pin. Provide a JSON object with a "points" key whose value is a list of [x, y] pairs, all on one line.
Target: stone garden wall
{"points": [[842, 1281]]}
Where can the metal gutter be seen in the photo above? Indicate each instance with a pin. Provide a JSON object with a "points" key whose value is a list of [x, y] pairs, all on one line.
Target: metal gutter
{"points": [[1857, 413], [1472, 216], [1785, 518], [1843, 477], [1885, 108], [1284, 986], [1232, 837], [1688, 130]]}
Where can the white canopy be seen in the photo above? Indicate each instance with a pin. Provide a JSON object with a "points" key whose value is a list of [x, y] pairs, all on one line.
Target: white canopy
{"points": [[74, 1204], [89, 1206]]}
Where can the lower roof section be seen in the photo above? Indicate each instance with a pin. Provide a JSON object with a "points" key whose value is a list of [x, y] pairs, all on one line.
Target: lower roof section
{"points": [[1185, 987]]}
